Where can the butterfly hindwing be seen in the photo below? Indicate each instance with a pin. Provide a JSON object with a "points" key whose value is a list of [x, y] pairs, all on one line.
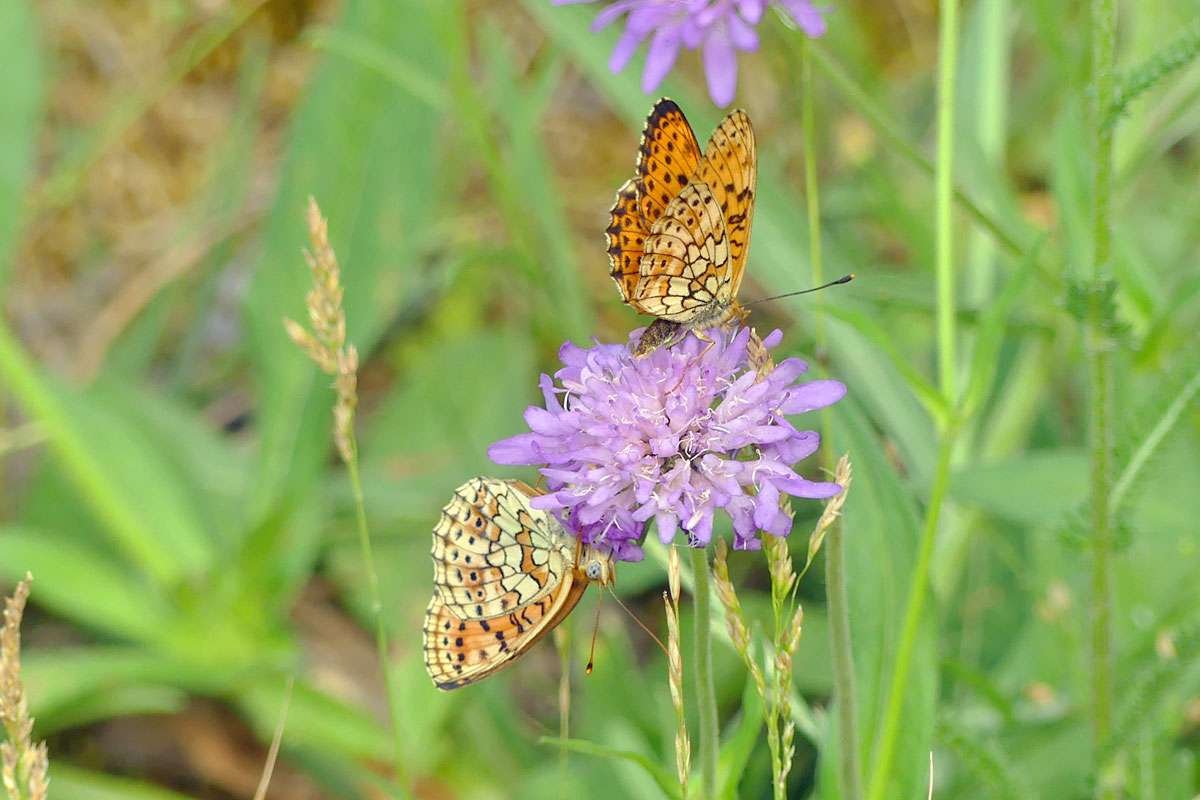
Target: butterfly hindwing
{"points": [[459, 652], [493, 552], [685, 268], [626, 237]]}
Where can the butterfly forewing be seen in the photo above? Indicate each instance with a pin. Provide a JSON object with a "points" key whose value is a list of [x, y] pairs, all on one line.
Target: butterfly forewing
{"points": [[667, 159], [686, 268], [730, 167], [493, 552]]}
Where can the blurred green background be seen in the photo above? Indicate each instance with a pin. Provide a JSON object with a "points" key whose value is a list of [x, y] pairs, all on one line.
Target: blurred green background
{"points": [[167, 474]]}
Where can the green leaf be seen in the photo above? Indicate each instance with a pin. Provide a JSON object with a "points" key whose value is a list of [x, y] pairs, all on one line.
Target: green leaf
{"points": [[1173, 402], [467, 391], [315, 720], [739, 742], [21, 99], [84, 584], [1031, 489], [128, 484], [991, 332], [61, 680], [209, 470], [1174, 56], [874, 333], [989, 769], [69, 782], [666, 781]]}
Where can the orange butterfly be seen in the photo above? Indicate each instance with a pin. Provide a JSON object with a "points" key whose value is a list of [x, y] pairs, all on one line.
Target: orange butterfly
{"points": [[679, 230], [505, 574]]}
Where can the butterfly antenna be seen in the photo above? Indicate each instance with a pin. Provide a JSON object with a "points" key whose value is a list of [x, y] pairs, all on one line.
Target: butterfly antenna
{"points": [[592, 651], [843, 279], [641, 625]]}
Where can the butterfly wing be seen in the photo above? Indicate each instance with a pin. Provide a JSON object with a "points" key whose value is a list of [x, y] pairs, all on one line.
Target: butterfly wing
{"points": [[462, 651], [493, 552], [730, 167], [626, 236], [685, 269], [667, 159]]}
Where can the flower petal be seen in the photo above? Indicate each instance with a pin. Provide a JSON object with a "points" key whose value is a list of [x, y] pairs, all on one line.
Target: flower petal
{"points": [[666, 523], [626, 46], [813, 490], [806, 15], [720, 66], [751, 10], [664, 47], [609, 14], [813, 395], [519, 449], [741, 34]]}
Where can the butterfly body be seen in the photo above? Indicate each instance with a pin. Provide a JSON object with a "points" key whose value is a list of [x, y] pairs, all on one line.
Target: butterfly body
{"points": [[505, 575], [679, 230]]}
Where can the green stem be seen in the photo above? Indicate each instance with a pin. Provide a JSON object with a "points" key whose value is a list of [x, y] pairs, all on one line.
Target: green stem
{"points": [[1099, 356], [381, 642], [886, 747], [706, 693], [835, 566], [943, 200], [919, 588]]}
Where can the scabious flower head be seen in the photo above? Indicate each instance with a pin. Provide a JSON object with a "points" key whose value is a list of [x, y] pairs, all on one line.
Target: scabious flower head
{"points": [[671, 437], [719, 28]]}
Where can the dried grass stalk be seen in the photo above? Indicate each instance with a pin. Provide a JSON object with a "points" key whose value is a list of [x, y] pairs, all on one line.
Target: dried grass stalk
{"points": [[24, 766], [325, 343], [843, 475], [735, 620]]}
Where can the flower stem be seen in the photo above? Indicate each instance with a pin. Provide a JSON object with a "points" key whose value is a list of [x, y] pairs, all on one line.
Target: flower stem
{"points": [[919, 588], [835, 566], [381, 642], [1099, 357], [706, 693]]}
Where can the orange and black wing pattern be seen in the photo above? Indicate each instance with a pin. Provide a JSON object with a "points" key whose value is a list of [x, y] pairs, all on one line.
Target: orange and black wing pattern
{"points": [[462, 651], [685, 270], [503, 577], [668, 159], [730, 167]]}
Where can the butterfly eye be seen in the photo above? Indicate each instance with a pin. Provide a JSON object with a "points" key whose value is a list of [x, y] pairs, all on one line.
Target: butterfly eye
{"points": [[593, 570]]}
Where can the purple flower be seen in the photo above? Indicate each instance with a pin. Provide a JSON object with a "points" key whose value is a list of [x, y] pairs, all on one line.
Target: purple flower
{"points": [[718, 27], [671, 437]]}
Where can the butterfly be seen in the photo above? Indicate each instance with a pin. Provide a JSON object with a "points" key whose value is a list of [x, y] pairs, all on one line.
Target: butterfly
{"points": [[679, 230], [505, 574]]}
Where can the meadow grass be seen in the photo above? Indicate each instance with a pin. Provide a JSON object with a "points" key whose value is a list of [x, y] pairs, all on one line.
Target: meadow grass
{"points": [[1010, 585]]}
